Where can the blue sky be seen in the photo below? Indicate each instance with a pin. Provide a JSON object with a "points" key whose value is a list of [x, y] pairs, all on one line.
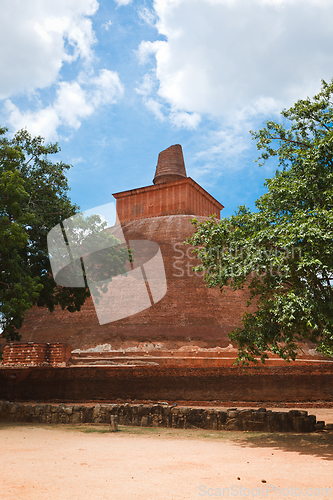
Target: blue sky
{"points": [[117, 81]]}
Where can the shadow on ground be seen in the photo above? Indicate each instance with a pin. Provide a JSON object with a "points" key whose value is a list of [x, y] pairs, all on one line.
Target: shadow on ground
{"points": [[317, 444]]}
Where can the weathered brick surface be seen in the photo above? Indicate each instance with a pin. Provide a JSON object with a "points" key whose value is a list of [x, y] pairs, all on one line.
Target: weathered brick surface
{"points": [[276, 383], [162, 415], [32, 354], [189, 313], [170, 165], [24, 354], [183, 196], [59, 353]]}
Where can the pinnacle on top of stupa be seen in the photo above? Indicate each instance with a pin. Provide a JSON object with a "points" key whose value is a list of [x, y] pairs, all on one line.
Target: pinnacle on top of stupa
{"points": [[170, 165]]}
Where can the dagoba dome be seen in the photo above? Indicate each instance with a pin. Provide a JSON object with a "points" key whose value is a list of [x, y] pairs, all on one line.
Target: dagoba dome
{"points": [[190, 314]]}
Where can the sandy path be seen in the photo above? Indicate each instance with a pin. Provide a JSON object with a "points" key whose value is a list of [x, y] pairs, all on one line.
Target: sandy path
{"points": [[40, 462]]}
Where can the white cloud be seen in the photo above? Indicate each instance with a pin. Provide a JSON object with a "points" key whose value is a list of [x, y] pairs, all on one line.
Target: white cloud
{"points": [[77, 160], [42, 122], [108, 88], [147, 15], [107, 25], [147, 85], [185, 120], [39, 37], [74, 102], [228, 145], [156, 108], [223, 57], [123, 2], [146, 49]]}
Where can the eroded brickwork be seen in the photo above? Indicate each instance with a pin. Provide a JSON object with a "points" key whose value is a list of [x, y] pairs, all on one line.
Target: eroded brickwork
{"points": [[32, 354], [170, 165], [189, 314], [288, 383]]}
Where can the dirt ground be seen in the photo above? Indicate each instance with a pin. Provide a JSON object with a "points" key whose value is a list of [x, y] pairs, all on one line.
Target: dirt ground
{"points": [[91, 463]]}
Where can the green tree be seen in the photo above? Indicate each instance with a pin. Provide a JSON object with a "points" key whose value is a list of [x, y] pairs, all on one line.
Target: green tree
{"points": [[284, 250], [33, 200]]}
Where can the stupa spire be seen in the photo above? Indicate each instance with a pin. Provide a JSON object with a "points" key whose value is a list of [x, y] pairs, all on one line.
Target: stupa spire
{"points": [[170, 165]]}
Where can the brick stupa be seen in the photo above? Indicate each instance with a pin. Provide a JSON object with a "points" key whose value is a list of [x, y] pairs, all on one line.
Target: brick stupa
{"points": [[191, 323], [190, 316], [173, 193]]}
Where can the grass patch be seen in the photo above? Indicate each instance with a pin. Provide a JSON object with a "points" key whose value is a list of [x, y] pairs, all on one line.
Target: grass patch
{"points": [[318, 444], [161, 432]]}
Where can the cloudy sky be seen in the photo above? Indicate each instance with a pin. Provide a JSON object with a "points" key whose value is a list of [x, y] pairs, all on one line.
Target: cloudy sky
{"points": [[117, 81]]}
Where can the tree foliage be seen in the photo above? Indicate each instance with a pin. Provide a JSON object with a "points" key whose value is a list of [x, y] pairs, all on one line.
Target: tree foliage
{"points": [[33, 200], [284, 250]]}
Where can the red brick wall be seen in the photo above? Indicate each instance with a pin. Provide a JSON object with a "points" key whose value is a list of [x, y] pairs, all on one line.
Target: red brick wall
{"points": [[59, 353], [201, 205], [290, 383], [33, 354], [184, 196]]}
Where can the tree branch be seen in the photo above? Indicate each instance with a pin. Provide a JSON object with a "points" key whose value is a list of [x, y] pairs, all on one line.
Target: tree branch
{"points": [[290, 140]]}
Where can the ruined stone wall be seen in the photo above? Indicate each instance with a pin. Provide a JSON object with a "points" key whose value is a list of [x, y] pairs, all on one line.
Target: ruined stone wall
{"points": [[164, 415]]}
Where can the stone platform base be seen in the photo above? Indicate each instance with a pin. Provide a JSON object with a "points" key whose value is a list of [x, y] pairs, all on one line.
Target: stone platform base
{"points": [[164, 415]]}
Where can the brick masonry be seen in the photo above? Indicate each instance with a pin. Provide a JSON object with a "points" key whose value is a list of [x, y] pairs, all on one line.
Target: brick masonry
{"points": [[173, 193], [182, 196], [170, 165], [17, 354], [291, 383], [189, 314]]}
